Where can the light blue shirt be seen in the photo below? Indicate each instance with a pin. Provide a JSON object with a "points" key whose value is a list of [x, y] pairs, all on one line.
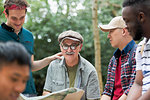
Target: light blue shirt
{"points": [[86, 78]]}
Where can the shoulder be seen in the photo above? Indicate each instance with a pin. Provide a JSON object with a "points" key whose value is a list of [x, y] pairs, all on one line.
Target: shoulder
{"points": [[86, 65], [56, 63], [141, 42], [140, 45], [2, 31], [0, 27], [4, 36], [27, 33]]}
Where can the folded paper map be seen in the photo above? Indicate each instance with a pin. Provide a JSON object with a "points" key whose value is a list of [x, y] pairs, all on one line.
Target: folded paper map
{"points": [[66, 94]]}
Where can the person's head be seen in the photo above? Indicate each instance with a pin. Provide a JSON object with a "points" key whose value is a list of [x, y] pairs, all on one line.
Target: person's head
{"points": [[14, 70], [118, 34], [15, 11], [137, 17], [70, 44]]}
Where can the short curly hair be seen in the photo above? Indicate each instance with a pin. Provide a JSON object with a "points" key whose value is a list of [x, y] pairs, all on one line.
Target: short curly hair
{"points": [[138, 5], [18, 3], [9, 3], [135, 2]]}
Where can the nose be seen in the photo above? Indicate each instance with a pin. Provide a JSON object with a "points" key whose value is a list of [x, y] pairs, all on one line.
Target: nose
{"points": [[18, 22], [20, 87], [69, 49]]}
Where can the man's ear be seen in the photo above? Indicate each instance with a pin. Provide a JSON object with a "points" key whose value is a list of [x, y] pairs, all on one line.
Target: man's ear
{"points": [[124, 31], [141, 17], [60, 47]]}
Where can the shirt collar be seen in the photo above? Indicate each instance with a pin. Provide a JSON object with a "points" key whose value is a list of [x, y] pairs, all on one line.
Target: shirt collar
{"points": [[125, 50], [8, 28]]}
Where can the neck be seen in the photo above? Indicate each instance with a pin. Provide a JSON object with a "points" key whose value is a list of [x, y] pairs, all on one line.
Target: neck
{"points": [[124, 44], [15, 31], [72, 63]]}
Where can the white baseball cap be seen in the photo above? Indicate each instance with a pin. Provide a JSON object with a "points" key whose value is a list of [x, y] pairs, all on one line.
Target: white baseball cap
{"points": [[116, 22]]}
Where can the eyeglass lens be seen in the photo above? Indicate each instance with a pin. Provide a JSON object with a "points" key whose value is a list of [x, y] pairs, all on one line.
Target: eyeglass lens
{"points": [[73, 46]]}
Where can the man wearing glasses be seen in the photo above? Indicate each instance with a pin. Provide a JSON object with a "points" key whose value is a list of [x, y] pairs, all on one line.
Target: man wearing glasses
{"points": [[72, 70]]}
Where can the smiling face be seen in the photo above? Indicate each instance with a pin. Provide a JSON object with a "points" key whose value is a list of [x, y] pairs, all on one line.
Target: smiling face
{"points": [[15, 19], [13, 80], [133, 25], [70, 54]]}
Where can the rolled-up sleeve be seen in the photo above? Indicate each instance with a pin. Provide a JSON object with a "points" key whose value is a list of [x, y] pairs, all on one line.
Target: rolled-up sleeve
{"points": [[48, 81]]}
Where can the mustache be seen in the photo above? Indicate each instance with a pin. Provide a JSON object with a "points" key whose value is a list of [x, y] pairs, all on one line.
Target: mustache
{"points": [[69, 53]]}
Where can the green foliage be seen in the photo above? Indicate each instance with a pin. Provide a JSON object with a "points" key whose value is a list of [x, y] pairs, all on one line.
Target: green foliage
{"points": [[50, 25], [47, 25], [2, 17], [107, 10]]}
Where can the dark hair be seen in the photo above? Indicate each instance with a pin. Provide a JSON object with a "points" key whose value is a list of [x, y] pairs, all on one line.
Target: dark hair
{"points": [[131, 2], [11, 52], [138, 5], [19, 3], [135, 3]]}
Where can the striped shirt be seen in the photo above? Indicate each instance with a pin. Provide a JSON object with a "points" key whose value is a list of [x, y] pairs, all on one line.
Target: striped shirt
{"points": [[143, 63]]}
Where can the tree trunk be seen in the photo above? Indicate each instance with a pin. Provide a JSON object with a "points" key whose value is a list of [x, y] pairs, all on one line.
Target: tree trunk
{"points": [[97, 43], [68, 7]]}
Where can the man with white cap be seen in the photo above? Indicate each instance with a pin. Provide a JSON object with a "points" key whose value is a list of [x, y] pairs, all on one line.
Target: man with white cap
{"points": [[121, 69], [72, 70]]}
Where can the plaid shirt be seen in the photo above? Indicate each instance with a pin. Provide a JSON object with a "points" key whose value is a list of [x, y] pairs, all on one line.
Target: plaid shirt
{"points": [[127, 72]]}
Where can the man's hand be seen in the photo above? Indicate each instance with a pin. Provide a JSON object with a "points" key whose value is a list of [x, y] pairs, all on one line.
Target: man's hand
{"points": [[55, 56], [123, 97], [39, 64]]}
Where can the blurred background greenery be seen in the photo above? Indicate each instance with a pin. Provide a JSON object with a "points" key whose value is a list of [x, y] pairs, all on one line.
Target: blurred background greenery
{"points": [[46, 19]]}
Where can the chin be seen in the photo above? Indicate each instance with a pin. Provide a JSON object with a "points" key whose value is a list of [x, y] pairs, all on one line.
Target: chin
{"points": [[112, 45], [68, 56]]}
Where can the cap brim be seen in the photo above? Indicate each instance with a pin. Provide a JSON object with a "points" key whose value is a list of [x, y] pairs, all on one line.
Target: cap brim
{"points": [[106, 28], [70, 38]]}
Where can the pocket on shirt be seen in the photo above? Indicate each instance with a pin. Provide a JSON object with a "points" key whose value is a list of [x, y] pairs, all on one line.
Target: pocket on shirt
{"points": [[57, 85]]}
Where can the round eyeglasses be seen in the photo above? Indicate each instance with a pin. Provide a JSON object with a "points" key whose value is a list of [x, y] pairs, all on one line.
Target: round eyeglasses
{"points": [[72, 46]]}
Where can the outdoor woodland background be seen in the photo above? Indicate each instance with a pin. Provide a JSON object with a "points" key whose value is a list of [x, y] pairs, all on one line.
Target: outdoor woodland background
{"points": [[46, 19]]}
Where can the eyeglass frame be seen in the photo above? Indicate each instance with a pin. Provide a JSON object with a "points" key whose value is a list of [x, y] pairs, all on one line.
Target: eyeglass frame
{"points": [[69, 46]]}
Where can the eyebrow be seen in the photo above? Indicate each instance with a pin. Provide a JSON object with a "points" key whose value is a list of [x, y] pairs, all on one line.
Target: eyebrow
{"points": [[19, 17], [18, 75]]}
